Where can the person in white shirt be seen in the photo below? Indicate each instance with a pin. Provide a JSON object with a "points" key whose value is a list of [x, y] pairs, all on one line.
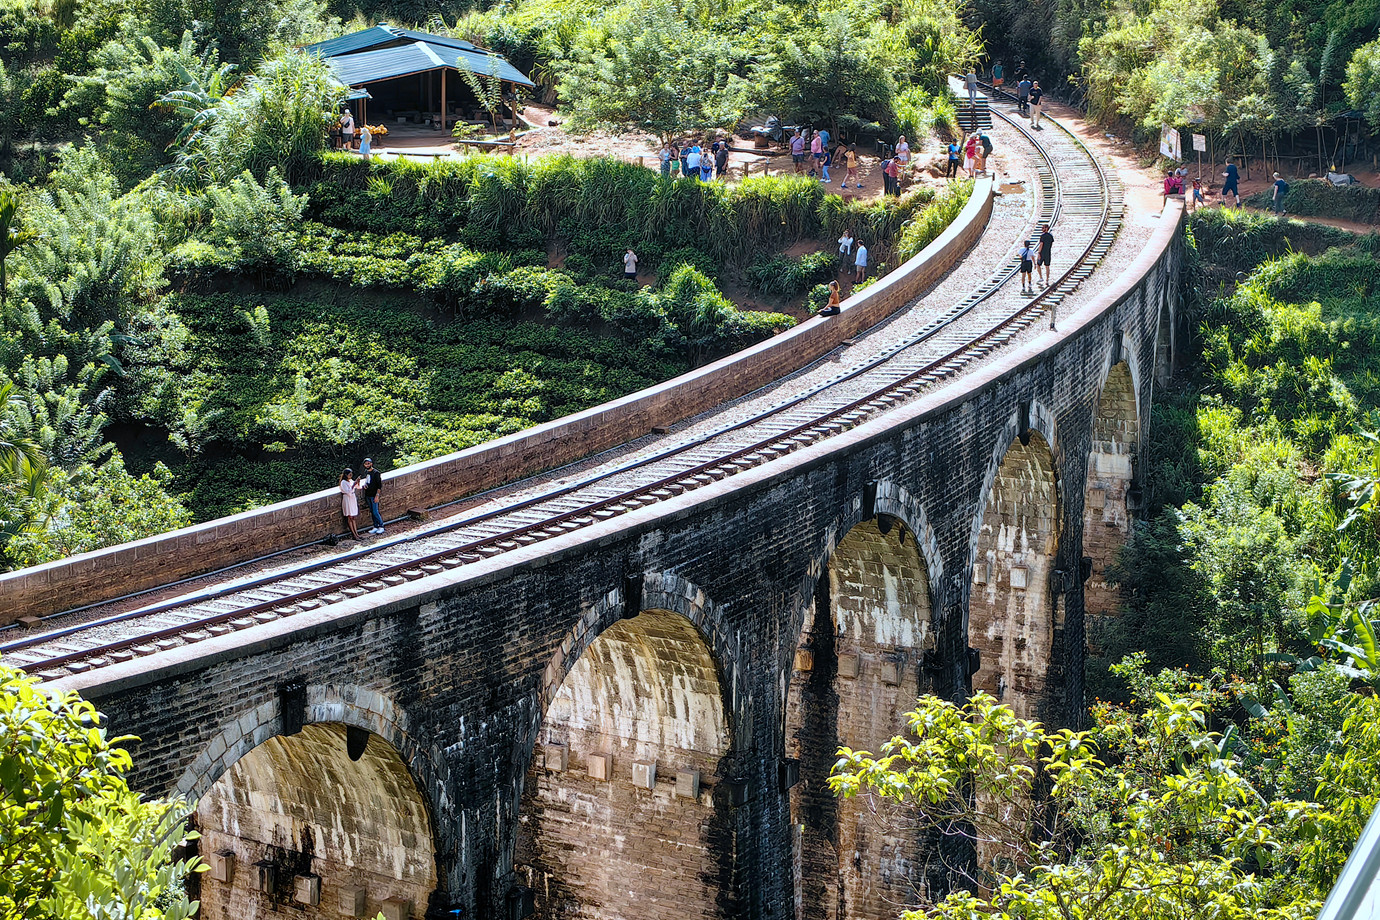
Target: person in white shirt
{"points": [[903, 153], [845, 249], [860, 264], [630, 265], [347, 130]]}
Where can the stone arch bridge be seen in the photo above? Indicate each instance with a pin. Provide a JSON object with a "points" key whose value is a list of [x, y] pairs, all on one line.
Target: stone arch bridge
{"points": [[637, 719]]}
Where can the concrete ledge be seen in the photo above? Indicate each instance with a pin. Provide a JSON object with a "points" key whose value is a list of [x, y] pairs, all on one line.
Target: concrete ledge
{"points": [[117, 570]]}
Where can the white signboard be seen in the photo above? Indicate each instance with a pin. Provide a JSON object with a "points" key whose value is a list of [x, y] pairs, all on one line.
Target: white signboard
{"points": [[1200, 143], [1170, 145]]}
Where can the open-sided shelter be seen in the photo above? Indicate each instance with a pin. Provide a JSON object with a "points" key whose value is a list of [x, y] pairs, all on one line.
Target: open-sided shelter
{"points": [[403, 72]]}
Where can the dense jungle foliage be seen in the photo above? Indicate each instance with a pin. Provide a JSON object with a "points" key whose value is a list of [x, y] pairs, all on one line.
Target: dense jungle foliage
{"points": [[1250, 75], [205, 310]]}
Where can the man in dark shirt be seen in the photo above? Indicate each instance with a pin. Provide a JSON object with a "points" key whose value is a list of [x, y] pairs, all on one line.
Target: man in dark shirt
{"points": [[1046, 251], [1023, 94], [372, 482], [1229, 187], [1035, 95]]}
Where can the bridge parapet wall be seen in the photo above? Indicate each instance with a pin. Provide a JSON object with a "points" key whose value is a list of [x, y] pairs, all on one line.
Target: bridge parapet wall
{"points": [[130, 567]]}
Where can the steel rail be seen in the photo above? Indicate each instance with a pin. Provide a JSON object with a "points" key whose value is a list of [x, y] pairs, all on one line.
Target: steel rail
{"points": [[825, 424]]}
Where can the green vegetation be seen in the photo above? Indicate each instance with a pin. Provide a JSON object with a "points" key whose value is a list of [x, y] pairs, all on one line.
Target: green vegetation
{"points": [[1255, 77], [75, 842], [258, 313]]}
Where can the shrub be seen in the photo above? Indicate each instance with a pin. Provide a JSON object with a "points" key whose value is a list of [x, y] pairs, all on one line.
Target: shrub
{"points": [[1320, 198], [785, 277]]}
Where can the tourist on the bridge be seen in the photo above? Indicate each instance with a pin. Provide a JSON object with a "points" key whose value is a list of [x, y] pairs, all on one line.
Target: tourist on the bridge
{"points": [[832, 307], [850, 161], [845, 249], [721, 159], [970, 80], [903, 153], [347, 130], [372, 485], [951, 168], [797, 153], [1046, 255], [1277, 200], [630, 264], [1027, 257], [998, 76], [664, 156], [860, 263], [349, 502], [1023, 94], [1035, 95], [1229, 187]]}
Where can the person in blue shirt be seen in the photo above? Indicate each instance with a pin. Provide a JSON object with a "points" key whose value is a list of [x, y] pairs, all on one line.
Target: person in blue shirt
{"points": [[951, 168], [1277, 199], [1229, 187]]}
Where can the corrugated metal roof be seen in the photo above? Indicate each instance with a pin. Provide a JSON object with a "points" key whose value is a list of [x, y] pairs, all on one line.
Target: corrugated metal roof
{"points": [[478, 62], [384, 64], [418, 57], [355, 41], [433, 39]]}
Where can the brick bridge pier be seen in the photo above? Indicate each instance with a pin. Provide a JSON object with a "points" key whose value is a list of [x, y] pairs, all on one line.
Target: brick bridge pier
{"points": [[636, 720]]}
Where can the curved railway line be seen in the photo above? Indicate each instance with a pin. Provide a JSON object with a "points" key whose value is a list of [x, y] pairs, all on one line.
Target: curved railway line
{"points": [[1077, 197]]}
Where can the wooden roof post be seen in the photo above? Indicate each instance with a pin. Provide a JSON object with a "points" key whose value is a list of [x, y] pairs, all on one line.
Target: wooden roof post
{"points": [[443, 98]]}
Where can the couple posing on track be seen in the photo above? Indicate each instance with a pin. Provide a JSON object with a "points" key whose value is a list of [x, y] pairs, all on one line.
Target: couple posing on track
{"points": [[370, 482]]}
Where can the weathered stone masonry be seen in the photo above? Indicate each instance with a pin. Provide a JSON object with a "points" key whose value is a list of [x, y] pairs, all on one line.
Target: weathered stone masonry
{"points": [[460, 677]]}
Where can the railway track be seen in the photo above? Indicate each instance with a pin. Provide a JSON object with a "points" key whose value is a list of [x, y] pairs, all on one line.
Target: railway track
{"points": [[1077, 197]]}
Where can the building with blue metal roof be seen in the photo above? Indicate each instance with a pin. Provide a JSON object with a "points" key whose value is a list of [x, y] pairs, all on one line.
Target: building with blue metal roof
{"points": [[404, 72]]}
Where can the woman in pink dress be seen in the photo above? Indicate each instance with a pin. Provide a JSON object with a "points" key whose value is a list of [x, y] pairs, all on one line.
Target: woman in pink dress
{"points": [[349, 503]]}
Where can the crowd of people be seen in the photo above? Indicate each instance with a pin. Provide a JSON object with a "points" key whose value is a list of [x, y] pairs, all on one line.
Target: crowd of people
{"points": [[1176, 182], [694, 162]]}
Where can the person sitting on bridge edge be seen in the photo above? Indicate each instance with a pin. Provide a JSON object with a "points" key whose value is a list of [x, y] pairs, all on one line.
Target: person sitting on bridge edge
{"points": [[832, 307], [371, 482]]}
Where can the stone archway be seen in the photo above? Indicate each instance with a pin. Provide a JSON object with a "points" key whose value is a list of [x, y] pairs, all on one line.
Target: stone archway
{"points": [[1106, 509], [620, 816], [862, 660], [1012, 606], [321, 824]]}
